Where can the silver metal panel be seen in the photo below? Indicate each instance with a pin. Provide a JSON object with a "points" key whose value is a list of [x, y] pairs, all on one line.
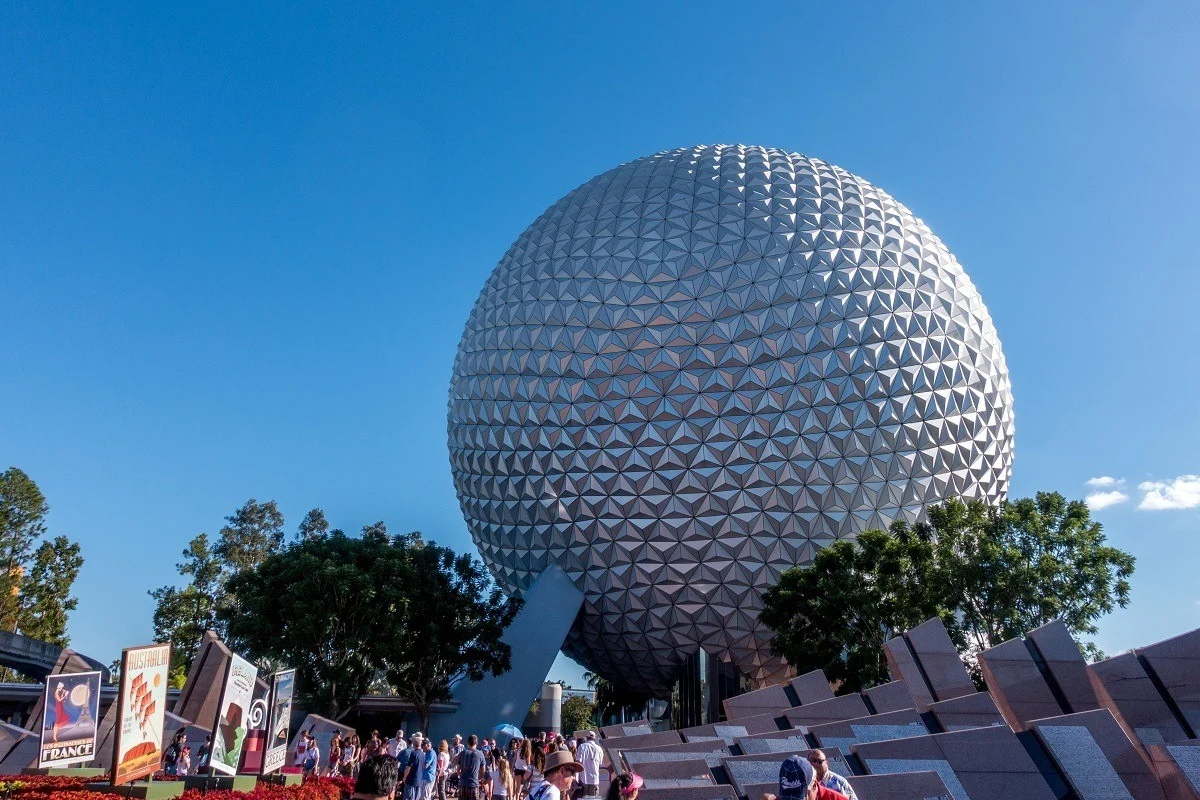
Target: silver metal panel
{"points": [[697, 368]]}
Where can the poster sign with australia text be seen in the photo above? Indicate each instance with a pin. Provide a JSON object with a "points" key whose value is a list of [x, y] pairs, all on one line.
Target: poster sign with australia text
{"points": [[141, 710], [72, 704], [283, 684], [233, 715]]}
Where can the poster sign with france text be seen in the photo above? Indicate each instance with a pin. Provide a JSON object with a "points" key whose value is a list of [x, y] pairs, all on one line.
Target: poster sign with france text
{"points": [[72, 704], [233, 715], [283, 684], [141, 710]]}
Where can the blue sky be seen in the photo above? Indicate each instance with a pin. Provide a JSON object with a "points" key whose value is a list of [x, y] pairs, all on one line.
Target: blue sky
{"points": [[238, 242]]}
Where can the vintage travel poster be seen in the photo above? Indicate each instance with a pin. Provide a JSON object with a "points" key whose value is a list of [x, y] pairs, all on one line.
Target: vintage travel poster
{"points": [[141, 711], [256, 731], [72, 704], [283, 683], [233, 715]]}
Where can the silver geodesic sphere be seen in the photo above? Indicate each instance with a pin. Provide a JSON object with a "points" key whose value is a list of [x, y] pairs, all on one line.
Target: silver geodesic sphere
{"points": [[698, 367]]}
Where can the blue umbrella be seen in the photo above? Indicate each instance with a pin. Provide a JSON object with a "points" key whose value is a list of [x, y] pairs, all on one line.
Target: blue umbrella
{"points": [[506, 731]]}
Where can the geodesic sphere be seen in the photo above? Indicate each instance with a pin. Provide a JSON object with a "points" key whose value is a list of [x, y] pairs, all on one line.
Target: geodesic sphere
{"points": [[697, 368]]}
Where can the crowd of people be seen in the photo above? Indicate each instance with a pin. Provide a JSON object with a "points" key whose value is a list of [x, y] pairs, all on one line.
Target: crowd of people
{"points": [[400, 768], [546, 767]]}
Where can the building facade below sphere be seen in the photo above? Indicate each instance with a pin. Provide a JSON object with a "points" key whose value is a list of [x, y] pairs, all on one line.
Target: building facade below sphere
{"points": [[698, 368]]}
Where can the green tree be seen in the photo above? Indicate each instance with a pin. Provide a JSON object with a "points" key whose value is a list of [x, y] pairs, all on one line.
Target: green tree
{"points": [[23, 510], [454, 618], [36, 575], [253, 532], [1007, 570], [990, 573], [313, 525], [46, 597], [836, 614], [325, 605], [182, 615], [577, 714]]}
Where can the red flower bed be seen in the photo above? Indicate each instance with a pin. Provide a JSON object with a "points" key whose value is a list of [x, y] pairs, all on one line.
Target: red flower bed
{"points": [[46, 787]]}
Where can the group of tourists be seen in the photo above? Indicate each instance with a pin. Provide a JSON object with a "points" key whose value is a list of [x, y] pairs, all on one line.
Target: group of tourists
{"points": [[546, 767], [177, 756]]}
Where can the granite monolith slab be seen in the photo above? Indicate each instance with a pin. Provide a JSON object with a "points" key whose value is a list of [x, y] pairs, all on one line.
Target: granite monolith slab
{"points": [[903, 667], [19, 747], [1066, 665], [975, 764], [1096, 756], [711, 751], [790, 741], [1176, 664], [847, 706], [675, 774], [891, 696], [1178, 769], [875, 728], [201, 694], [812, 687], [968, 711], [194, 734], [759, 701], [717, 792], [1125, 689], [637, 727], [322, 730], [899, 786], [728, 731], [940, 663], [1017, 685]]}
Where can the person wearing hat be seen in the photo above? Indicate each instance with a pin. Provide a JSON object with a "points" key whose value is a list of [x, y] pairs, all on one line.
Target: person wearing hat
{"points": [[624, 787], [559, 774], [798, 781]]}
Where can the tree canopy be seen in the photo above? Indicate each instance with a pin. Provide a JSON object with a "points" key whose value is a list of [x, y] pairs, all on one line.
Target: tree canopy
{"points": [[577, 712], [991, 574], [36, 574], [182, 614], [346, 611]]}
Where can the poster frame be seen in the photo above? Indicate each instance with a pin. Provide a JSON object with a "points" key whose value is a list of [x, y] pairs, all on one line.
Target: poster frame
{"points": [[216, 722], [277, 677], [93, 681], [121, 691]]}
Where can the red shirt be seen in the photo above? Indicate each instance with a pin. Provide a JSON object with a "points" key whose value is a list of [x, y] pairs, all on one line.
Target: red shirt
{"points": [[828, 794]]}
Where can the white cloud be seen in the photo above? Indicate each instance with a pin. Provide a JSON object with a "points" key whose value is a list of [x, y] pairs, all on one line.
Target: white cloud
{"points": [[1176, 493], [1105, 482], [1099, 500]]}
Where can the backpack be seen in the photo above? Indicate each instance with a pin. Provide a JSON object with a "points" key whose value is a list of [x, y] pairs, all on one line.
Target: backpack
{"points": [[172, 754]]}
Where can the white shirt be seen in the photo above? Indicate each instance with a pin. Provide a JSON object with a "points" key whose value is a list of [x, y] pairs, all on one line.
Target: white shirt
{"points": [[591, 757], [547, 791]]}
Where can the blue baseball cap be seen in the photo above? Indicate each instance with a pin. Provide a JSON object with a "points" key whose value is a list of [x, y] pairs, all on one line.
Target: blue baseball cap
{"points": [[795, 776]]}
